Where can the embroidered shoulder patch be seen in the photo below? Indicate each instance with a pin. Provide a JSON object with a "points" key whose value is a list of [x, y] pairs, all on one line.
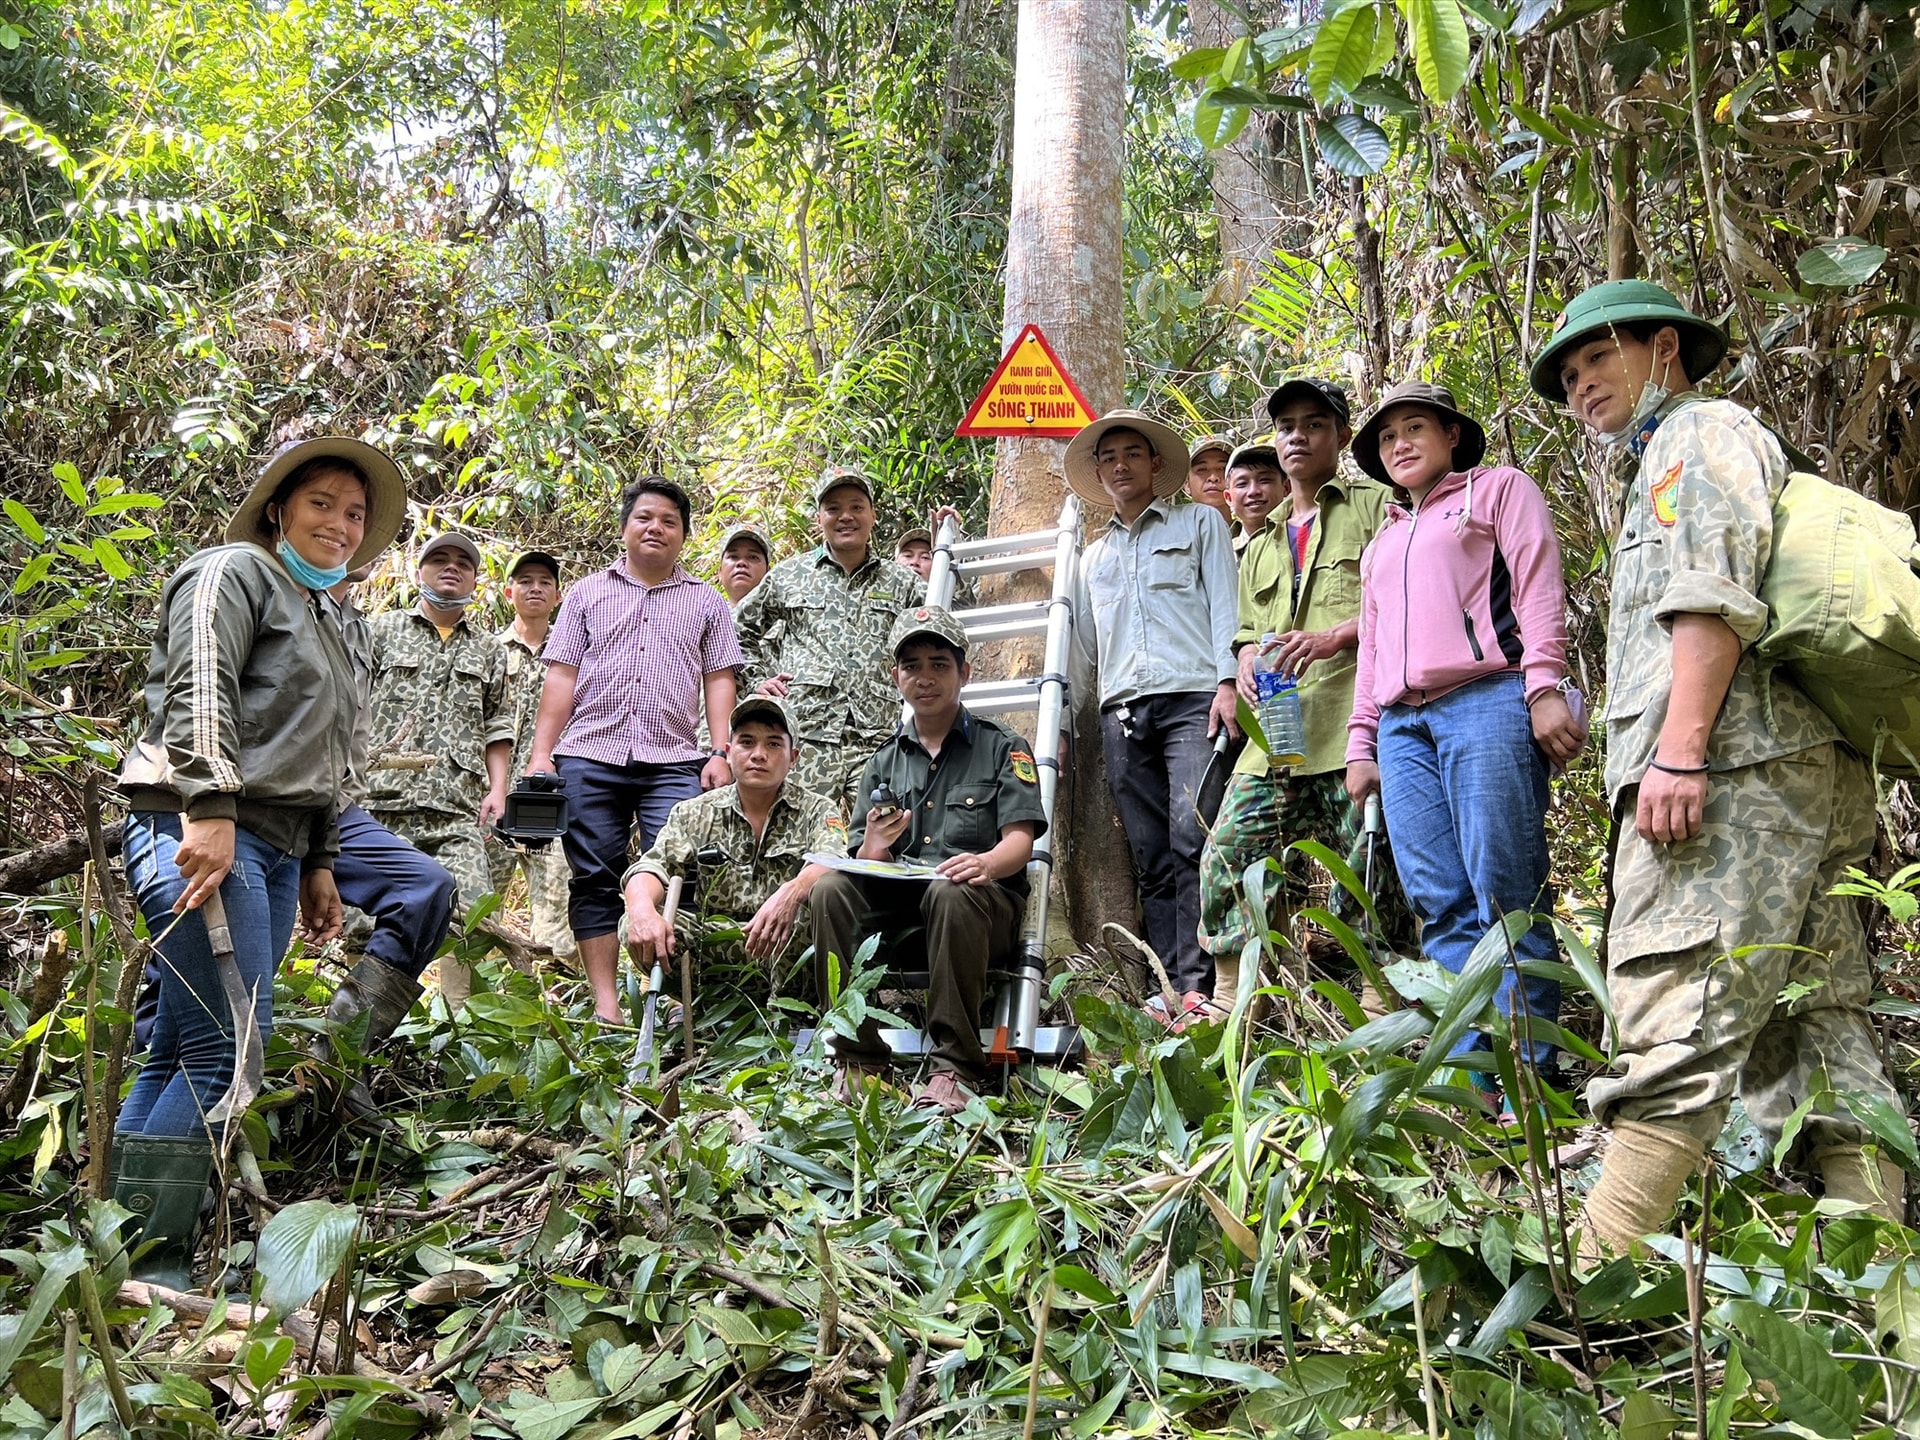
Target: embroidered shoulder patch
{"points": [[1023, 767], [836, 827], [1666, 491]]}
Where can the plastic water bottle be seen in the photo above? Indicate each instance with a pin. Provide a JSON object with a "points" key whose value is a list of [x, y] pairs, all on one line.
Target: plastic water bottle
{"points": [[1279, 710]]}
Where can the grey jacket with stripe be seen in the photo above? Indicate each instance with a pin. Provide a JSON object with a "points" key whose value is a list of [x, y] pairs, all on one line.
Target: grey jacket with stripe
{"points": [[251, 702]]}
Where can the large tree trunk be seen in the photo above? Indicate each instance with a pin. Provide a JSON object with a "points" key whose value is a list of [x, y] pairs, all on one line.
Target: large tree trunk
{"points": [[1064, 274], [1248, 175]]}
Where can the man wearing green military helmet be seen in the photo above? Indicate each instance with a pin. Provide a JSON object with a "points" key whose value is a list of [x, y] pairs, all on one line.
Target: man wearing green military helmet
{"points": [[1736, 808]]}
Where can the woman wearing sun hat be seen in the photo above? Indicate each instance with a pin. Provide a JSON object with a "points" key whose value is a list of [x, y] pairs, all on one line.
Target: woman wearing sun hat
{"points": [[1458, 711], [1736, 809], [234, 789]]}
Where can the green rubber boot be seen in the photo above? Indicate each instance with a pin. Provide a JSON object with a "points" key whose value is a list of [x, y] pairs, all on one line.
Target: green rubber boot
{"points": [[384, 996], [162, 1179]]}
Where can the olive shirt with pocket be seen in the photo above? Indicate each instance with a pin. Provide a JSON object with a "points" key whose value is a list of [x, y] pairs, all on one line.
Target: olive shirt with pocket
{"points": [[1154, 604], [982, 781], [1351, 513], [827, 629]]}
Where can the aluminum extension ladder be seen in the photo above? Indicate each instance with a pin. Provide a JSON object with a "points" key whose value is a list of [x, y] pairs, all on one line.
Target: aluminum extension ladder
{"points": [[1016, 1034]]}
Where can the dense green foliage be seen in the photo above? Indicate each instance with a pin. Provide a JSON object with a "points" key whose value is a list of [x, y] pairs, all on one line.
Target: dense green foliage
{"points": [[536, 249]]}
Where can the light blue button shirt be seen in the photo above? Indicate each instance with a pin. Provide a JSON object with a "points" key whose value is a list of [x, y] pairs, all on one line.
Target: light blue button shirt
{"points": [[1158, 602]]}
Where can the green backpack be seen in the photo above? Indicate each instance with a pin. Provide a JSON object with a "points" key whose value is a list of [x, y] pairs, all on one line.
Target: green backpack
{"points": [[1843, 594]]}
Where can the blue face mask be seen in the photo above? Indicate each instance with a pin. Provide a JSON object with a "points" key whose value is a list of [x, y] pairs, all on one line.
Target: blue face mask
{"points": [[311, 576]]}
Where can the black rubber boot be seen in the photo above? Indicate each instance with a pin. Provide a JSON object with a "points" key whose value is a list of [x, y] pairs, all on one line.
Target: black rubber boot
{"points": [[384, 995], [162, 1179]]}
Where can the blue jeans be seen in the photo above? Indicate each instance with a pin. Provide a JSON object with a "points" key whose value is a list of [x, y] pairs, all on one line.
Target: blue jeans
{"points": [[1465, 793], [604, 803], [190, 1060]]}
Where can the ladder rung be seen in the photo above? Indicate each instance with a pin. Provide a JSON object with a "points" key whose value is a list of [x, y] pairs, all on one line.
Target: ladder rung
{"points": [[1001, 697], [1007, 629], [1032, 542], [1005, 564], [999, 614]]}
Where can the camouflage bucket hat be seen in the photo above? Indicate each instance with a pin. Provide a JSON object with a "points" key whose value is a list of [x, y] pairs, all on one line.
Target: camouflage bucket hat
{"points": [[1201, 444], [747, 532], [927, 620], [1702, 343]]}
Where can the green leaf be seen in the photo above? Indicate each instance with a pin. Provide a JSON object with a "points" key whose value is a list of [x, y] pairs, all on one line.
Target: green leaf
{"points": [[1644, 1417], [70, 482], [1439, 46], [9, 37], [1841, 264], [1197, 64], [17, 1330], [115, 504], [1361, 1114], [301, 1248], [533, 1418], [111, 560], [24, 520], [32, 573], [1353, 145], [1218, 125], [1813, 1388], [1520, 1304], [1342, 53], [1896, 1312], [265, 1359]]}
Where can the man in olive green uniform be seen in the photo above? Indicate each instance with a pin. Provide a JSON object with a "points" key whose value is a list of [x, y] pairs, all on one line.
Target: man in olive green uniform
{"points": [[1730, 966], [815, 634], [969, 805], [764, 826], [533, 589], [1299, 581], [440, 708]]}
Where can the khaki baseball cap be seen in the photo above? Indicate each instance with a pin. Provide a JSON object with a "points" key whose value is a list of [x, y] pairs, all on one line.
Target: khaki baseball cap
{"points": [[834, 476], [927, 620], [452, 540], [532, 557]]}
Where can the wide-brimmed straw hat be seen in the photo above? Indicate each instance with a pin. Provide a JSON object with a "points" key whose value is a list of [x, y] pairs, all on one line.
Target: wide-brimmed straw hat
{"points": [[386, 492], [1084, 479], [1702, 343], [1469, 452]]}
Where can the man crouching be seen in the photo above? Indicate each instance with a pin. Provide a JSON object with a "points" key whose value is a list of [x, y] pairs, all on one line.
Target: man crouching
{"points": [[763, 826], [958, 793]]}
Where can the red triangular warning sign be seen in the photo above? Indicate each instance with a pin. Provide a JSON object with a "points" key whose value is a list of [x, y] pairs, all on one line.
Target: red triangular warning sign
{"points": [[1029, 393]]}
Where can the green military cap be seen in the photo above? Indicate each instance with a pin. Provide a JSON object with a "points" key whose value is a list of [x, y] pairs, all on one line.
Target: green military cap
{"points": [[761, 707], [534, 557], [908, 537], [834, 476], [1255, 452], [1702, 343], [928, 620]]}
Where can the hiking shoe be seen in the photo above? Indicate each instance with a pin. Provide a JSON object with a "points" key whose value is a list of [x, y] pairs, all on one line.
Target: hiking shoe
{"points": [[946, 1093]]}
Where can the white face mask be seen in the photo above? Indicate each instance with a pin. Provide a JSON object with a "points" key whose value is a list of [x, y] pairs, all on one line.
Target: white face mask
{"points": [[448, 602], [1653, 395]]}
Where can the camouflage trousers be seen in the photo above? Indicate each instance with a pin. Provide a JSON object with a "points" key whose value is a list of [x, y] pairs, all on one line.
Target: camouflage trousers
{"points": [[1732, 969], [547, 880], [1259, 817], [834, 770], [458, 843]]}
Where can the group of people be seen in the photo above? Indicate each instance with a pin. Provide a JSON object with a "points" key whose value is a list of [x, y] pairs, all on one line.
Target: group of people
{"points": [[300, 757]]}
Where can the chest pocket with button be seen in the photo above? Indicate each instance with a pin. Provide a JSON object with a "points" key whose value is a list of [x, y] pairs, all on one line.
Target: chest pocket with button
{"points": [[968, 822], [1171, 565]]}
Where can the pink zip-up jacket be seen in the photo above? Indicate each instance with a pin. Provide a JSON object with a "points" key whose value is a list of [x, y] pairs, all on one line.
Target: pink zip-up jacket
{"points": [[1468, 585]]}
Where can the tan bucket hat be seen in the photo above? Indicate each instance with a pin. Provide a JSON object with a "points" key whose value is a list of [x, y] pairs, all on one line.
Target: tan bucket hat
{"points": [[1471, 450], [386, 492], [1084, 479]]}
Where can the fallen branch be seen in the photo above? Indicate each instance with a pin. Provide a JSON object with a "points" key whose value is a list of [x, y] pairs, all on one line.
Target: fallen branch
{"points": [[465, 1197], [55, 860], [740, 1280]]}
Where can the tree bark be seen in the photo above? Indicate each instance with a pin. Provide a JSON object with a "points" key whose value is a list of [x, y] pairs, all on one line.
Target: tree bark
{"points": [[1376, 347], [30, 869], [1064, 274], [1247, 175]]}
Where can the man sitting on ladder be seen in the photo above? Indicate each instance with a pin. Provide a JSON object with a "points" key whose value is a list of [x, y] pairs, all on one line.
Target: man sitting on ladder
{"points": [[965, 799]]}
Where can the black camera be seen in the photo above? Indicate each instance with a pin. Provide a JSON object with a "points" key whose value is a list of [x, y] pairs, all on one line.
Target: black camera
{"points": [[536, 812]]}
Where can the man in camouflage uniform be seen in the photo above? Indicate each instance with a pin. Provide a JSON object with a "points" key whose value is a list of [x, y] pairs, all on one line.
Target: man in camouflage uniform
{"points": [[533, 589], [1730, 965], [1299, 581], [815, 634], [746, 554], [764, 827], [440, 710]]}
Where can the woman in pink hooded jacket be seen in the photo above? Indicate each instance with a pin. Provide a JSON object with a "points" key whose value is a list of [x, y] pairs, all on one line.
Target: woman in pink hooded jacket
{"points": [[1458, 707]]}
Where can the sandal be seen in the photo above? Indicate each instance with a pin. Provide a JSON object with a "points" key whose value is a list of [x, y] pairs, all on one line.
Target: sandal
{"points": [[854, 1078]]}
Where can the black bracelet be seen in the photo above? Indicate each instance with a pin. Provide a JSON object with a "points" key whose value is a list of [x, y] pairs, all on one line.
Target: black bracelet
{"points": [[716, 755], [1654, 764]]}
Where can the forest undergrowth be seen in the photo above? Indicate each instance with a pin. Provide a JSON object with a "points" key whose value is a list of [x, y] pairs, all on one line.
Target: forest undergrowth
{"points": [[1302, 1226]]}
